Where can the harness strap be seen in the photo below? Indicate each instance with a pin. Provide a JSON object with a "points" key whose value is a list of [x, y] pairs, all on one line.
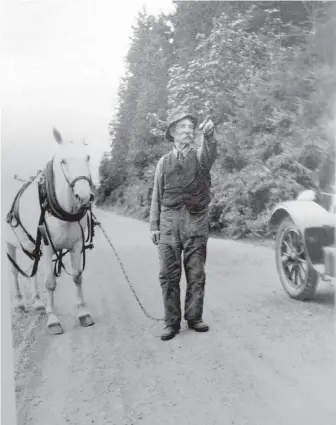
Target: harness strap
{"points": [[15, 214], [36, 253], [48, 202], [59, 254]]}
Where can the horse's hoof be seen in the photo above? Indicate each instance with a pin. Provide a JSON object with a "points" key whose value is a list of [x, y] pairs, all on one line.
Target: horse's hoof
{"points": [[86, 320], [39, 308], [55, 329], [20, 308]]}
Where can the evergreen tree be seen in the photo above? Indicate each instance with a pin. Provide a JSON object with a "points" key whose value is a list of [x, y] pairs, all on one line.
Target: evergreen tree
{"points": [[264, 72]]}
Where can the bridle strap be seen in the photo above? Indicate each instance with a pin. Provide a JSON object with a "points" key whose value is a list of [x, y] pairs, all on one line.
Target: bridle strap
{"points": [[72, 184], [74, 181]]}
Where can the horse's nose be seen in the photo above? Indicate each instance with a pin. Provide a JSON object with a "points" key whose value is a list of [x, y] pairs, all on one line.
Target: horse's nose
{"points": [[84, 200]]}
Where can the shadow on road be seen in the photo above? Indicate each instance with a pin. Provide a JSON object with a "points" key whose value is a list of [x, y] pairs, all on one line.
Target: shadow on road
{"points": [[325, 296]]}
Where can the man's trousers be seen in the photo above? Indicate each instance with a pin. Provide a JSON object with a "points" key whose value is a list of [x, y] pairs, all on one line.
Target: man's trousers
{"points": [[181, 231]]}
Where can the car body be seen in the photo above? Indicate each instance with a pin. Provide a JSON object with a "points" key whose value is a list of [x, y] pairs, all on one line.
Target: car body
{"points": [[305, 242]]}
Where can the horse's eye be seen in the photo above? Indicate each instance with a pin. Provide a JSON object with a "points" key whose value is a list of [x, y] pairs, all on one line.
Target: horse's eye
{"points": [[63, 162]]}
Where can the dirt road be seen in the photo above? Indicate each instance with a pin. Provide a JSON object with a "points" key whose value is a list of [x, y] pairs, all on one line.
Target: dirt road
{"points": [[267, 360]]}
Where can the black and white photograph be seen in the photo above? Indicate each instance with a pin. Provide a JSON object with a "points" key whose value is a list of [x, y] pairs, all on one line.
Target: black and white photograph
{"points": [[168, 212]]}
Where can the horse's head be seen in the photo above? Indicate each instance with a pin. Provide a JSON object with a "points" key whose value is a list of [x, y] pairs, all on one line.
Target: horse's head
{"points": [[72, 163]]}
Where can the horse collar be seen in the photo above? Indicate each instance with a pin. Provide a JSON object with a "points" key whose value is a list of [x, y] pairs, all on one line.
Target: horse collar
{"points": [[48, 197]]}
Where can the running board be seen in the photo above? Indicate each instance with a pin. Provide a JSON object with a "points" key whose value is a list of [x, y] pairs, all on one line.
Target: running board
{"points": [[330, 261], [327, 270], [320, 268]]}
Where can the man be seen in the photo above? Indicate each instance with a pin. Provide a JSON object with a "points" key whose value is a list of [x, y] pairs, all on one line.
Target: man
{"points": [[179, 219]]}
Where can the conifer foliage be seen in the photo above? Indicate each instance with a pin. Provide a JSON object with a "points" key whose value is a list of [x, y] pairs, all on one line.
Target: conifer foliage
{"points": [[264, 72]]}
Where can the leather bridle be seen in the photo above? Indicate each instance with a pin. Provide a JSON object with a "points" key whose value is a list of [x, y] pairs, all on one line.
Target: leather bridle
{"points": [[75, 180]]}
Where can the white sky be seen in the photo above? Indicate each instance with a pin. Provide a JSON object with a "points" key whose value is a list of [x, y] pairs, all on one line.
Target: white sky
{"points": [[62, 63]]}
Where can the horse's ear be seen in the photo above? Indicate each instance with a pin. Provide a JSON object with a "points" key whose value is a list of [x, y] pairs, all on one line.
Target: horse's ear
{"points": [[57, 136]]}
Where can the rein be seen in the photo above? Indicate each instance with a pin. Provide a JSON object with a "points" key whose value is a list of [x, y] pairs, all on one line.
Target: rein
{"points": [[48, 203]]}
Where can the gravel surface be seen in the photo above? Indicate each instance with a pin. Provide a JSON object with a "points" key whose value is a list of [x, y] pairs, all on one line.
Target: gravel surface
{"points": [[267, 360]]}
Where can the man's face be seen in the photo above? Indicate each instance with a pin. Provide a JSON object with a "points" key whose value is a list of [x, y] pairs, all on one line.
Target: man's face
{"points": [[183, 132]]}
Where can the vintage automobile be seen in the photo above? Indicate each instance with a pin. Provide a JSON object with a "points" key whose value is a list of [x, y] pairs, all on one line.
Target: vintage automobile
{"points": [[305, 249]]}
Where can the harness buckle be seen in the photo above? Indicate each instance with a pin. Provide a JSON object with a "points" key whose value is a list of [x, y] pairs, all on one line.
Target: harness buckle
{"points": [[9, 219], [37, 254]]}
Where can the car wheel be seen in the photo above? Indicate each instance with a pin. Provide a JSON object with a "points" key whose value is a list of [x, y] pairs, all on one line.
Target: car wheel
{"points": [[298, 278]]}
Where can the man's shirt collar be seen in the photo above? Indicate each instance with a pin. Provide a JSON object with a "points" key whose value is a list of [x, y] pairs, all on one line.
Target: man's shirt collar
{"points": [[184, 151]]}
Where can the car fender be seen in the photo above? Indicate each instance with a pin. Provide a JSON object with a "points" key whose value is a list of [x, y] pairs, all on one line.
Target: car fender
{"points": [[303, 213], [316, 225]]}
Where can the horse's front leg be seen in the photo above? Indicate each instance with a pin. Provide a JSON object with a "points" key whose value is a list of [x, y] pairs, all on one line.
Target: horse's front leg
{"points": [[53, 324], [18, 302], [84, 315], [37, 303]]}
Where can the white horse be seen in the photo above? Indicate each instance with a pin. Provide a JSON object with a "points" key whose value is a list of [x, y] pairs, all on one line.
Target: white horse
{"points": [[65, 190]]}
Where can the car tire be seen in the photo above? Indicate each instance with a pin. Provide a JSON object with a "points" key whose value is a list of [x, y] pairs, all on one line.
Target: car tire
{"points": [[297, 275]]}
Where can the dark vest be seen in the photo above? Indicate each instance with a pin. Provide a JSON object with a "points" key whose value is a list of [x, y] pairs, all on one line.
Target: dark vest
{"points": [[186, 184]]}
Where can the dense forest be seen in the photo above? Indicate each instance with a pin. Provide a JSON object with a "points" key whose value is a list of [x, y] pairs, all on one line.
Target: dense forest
{"points": [[263, 71]]}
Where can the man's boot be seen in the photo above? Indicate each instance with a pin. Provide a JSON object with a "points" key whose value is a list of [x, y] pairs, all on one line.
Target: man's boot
{"points": [[198, 326], [169, 332]]}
